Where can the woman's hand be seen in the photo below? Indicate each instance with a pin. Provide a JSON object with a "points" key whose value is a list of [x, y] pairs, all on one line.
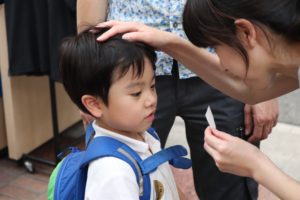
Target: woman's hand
{"points": [[134, 31], [262, 117], [232, 154]]}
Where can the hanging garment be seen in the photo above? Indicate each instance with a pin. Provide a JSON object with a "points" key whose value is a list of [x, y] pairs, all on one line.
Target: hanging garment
{"points": [[27, 37], [62, 23], [35, 29]]}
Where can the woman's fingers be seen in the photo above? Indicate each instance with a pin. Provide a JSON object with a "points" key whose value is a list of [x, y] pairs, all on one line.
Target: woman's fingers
{"points": [[221, 135], [248, 119], [215, 147], [134, 31], [211, 151], [216, 139], [257, 133], [117, 28], [107, 24], [267, 131], [211, 139]]}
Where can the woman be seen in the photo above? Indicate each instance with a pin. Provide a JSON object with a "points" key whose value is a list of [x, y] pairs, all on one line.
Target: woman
{"points": [[258, 48]]}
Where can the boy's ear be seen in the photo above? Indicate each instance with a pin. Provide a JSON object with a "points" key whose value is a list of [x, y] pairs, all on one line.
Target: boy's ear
{"points": [[246, 32], [93, 105]]}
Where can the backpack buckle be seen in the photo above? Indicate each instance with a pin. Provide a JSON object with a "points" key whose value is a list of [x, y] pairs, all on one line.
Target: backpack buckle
{"points": [[67, 151]]}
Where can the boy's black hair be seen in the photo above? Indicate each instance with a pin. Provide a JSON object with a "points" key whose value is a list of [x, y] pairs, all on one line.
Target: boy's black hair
{"points": [[211, 22], [90, 67]]}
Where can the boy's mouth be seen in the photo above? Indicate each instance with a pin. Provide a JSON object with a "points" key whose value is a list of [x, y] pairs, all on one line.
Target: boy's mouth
{"points": [[151, 116]]}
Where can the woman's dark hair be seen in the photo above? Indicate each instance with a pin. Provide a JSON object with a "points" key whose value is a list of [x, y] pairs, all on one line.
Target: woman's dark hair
{"points": [[90, 67], [211, 22]]}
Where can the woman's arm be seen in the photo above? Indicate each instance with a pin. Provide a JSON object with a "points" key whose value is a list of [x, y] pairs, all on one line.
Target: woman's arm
{"points": [[236, 156], [207, 66], [199, 60], [276, 181], [90, 12]]}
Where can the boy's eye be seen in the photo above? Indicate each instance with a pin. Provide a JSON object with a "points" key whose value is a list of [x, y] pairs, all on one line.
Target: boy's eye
{"points": [[136, 94], [153, 86]]}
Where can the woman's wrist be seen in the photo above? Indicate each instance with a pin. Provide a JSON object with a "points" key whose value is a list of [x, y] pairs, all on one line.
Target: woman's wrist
{"points": [[260, 167], [171, 43]]}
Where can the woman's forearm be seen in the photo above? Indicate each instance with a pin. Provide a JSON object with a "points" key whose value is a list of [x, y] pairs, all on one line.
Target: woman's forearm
{"points": [[268, 175], [90, 12], [207, 66]]}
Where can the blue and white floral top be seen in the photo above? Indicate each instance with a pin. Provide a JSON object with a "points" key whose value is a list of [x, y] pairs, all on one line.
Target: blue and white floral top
{"points": [[163, 14]]}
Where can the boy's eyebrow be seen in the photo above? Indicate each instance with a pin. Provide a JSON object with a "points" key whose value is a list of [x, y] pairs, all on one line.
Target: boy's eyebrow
{"points": [[134, 84], [131, 85]]}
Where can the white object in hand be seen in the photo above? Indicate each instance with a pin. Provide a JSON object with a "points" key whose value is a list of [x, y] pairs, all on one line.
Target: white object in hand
{"points": [[210, 118]]}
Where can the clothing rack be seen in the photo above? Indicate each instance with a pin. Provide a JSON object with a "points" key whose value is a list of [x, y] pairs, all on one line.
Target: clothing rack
{"points": [[36, 109]]}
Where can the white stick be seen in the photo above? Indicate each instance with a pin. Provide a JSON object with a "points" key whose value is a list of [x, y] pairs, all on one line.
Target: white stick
{"points": [[210, 118]]}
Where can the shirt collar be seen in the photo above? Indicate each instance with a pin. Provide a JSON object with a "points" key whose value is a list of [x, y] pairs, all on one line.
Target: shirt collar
{"points": [[136, 145]]}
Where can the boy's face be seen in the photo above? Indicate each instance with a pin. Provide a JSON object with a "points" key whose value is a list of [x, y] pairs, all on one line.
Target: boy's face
{"points": [[131, 103]]}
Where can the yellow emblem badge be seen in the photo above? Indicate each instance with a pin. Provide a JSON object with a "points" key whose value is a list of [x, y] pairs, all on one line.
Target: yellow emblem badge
{"points": [[159, 189]]}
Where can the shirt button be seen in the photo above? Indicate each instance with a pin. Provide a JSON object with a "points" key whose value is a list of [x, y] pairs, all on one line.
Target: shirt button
{"points": [[175, 24]]}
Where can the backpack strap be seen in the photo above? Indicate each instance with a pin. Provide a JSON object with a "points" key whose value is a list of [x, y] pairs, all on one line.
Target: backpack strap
{"points": [[104, 146], [89, 132], [153, 133], [172, 154]]}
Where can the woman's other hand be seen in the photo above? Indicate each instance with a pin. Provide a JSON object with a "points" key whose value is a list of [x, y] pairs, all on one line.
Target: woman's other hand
{"points": [[232, 154]]}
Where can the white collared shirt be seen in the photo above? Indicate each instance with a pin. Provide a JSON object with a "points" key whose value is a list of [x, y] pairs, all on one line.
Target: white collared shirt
{"points": [[110, 178]]}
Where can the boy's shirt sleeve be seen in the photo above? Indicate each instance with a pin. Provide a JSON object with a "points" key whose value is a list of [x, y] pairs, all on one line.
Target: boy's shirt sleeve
{"points": [[111, 178]]}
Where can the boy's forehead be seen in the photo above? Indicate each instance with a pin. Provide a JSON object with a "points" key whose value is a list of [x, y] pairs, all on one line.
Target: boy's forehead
{"points": [[134, 71], [131, 77]]}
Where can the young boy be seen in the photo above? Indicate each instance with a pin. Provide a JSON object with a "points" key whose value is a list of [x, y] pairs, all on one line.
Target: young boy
{"points": [[114, 81]]}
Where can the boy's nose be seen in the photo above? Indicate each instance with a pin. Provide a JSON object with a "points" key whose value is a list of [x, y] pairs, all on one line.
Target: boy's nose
{"points": [[151, 100]]}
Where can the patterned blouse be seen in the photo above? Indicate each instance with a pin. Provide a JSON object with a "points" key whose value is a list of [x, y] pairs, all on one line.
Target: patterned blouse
{"points": [[163, 14]]}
